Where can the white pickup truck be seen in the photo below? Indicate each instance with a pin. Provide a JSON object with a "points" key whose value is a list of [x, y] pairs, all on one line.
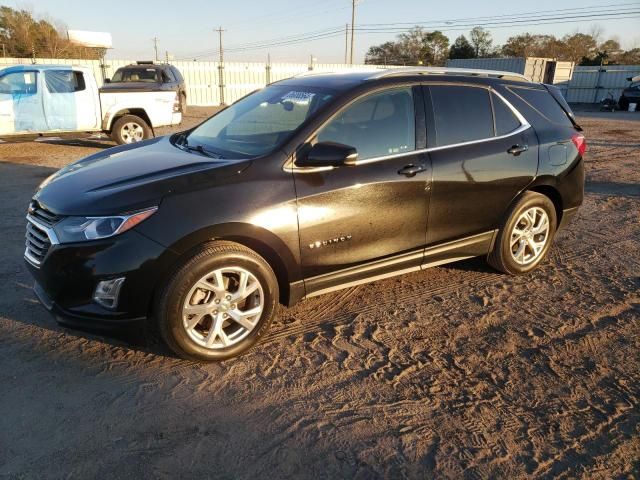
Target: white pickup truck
{"points": [[46, 100]]}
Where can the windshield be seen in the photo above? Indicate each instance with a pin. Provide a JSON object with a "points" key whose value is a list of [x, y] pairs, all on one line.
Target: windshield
{"points": [[258, 123], [145, 75]]}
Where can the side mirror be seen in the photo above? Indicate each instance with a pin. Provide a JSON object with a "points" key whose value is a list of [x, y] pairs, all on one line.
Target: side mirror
{"points": [[329, 154], [107, 80]]}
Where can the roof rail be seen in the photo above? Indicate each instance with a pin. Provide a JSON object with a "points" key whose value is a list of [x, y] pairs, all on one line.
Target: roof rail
{"points": [[388, 72]]}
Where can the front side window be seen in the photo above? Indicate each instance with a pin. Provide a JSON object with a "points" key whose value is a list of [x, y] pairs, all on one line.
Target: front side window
{"points": [[462, 114], [19, 83], [64, 81], [144, 75], [258, 123], [377, 125]]}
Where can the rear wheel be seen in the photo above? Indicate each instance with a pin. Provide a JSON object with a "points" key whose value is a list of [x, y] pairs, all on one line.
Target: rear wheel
{"points": [[526, 235], [130, 129], [218, 304], [623, 103]]}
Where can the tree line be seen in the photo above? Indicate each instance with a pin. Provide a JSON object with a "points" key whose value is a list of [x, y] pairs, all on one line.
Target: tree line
{"points": [[421, 47], [23, 36]]}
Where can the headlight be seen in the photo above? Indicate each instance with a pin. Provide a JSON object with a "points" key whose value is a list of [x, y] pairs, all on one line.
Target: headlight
{"points": [[80, 229]]}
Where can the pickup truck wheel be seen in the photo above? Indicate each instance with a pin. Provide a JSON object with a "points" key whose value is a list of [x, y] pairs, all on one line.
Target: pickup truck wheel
{"points": [[130, 129], [218, 303]]}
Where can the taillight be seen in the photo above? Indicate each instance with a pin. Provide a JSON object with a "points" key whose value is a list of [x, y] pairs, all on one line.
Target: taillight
{"points": [[176, 103], [580, 142]]}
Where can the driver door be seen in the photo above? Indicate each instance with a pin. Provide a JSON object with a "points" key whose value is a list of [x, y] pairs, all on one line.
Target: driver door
{"points": [[366, 221]]}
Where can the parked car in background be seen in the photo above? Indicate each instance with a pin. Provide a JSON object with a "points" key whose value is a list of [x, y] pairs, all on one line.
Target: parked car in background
{"points": [[631, 94], [307, 186], [51, 100], [148, 76]]}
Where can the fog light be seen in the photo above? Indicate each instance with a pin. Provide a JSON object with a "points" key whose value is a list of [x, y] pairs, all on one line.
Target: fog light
{"points": [[107, 292]]}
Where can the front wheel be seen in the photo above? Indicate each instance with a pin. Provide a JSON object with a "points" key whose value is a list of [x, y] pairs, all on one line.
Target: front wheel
{"points": [[526, 235], [130, 129], [218, 304]]}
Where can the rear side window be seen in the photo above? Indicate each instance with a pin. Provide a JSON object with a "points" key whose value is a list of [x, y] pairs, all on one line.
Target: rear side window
{"points": [[167, 76], [506, 121], [462, 114], [177, 74], [544, 103], [64, 81]]}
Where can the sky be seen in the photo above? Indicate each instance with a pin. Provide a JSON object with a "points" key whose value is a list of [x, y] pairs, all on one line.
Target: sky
{"points": [[185, 28]]}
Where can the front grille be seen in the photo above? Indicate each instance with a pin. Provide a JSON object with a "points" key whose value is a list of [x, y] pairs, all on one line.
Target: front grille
{"points": [[43, 215], [37, 243], [40, 234]]}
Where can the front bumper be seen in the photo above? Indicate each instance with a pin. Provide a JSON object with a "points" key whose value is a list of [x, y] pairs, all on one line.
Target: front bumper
{"points": [[66, 279]]}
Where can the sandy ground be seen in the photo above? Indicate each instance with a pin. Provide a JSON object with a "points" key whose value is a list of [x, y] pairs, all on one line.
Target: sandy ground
{"points": [[455, 372]]}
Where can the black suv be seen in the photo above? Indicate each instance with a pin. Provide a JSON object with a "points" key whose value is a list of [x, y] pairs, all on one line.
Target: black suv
{"points": [[143, 76], [631, 94], [307, 186]]}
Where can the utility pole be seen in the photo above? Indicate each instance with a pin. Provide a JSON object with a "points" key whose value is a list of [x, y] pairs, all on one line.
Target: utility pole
{"points": [[166, 57], [353, 26], [221, 65], [346, 43], [155, 46]]}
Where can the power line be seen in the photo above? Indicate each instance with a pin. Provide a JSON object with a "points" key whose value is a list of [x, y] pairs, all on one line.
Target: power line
{"points": [[539, 18], [631, 5]]}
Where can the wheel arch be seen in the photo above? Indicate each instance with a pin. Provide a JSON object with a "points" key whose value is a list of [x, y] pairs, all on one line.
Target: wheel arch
{"points": [[139, 112], [266, 244], [551, 192]]}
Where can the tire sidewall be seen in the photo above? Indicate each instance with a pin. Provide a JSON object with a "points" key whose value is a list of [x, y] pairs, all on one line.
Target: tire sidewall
{"points": [[527, 202], [170, 312]]}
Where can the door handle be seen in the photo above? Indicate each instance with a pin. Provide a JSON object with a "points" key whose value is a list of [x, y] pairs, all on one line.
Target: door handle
{"points": [[411, 170], [518, 149]]}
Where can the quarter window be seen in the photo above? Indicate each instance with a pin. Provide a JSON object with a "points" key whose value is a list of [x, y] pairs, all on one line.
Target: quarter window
{"points": [[64, 81], [377, 125], [544, 103], [462, 114], [506, 121]]}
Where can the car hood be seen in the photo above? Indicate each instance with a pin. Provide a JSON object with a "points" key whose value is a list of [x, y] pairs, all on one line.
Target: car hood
{"points": [[131, 177]]}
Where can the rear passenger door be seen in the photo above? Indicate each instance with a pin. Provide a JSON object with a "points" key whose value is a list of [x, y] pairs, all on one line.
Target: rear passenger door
{"points": [[483, 154]]}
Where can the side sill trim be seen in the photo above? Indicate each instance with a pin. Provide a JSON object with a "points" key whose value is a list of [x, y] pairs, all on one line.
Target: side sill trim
{"points": [[432, 252]]}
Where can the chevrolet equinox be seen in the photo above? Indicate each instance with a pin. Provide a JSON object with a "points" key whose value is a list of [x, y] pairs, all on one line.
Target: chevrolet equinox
{"points": [[309, 185]]}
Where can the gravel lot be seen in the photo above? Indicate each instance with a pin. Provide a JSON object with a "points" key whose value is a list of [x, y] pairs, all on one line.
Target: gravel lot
{"points": [[457, 371]]}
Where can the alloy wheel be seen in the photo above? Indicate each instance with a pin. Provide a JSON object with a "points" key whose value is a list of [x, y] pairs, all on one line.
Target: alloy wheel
{"points": [[223, 307], [529, 235]]}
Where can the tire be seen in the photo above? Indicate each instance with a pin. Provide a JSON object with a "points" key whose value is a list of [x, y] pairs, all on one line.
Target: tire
{"points": [[183, 103], [182, 294], [506, 255], [623, 103], [130, 129]]}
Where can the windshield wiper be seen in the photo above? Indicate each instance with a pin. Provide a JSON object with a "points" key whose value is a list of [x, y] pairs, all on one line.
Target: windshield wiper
{"points": [[182, 143]]}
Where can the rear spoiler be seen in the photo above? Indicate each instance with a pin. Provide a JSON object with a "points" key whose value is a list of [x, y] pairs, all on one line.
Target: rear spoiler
{"points": [[557, 95]]}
